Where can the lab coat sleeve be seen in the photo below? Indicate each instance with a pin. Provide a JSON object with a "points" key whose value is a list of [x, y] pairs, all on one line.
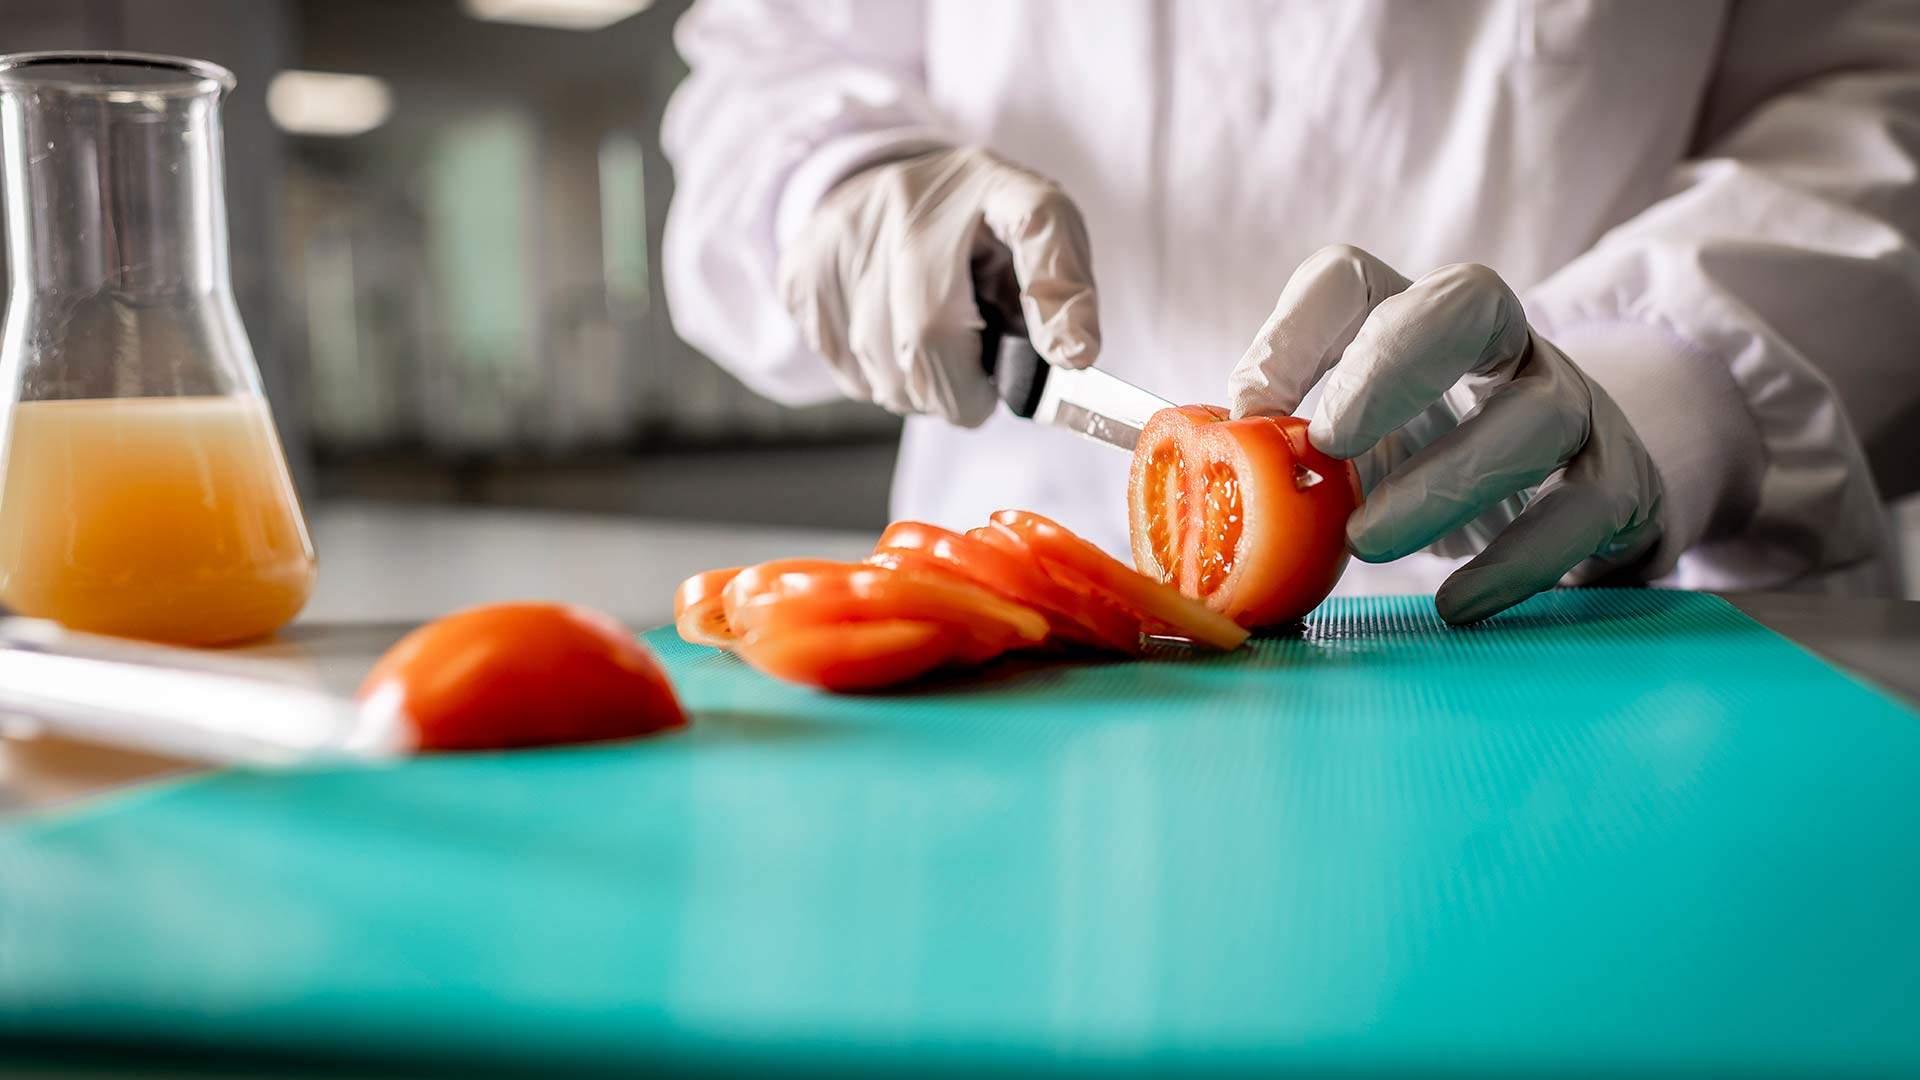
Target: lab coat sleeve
{"points": [[1760, 323], [782, 100]]}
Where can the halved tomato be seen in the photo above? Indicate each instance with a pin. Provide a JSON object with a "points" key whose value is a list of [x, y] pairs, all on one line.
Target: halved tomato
{"points": [[1244, 515], [1072, 616], [699, 609], [853, 656], [522, 674], [1079, 565]]}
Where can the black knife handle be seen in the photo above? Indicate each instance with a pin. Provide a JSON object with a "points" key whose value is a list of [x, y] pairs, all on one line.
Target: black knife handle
{"points": [[1018, 372]]}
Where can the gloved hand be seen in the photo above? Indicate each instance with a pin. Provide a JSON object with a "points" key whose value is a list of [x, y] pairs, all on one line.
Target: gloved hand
{"points": [[1455, 408], [881, 279]]}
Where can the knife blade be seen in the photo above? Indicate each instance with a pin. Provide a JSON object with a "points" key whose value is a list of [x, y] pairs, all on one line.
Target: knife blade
{"points": [[1087, 402]]}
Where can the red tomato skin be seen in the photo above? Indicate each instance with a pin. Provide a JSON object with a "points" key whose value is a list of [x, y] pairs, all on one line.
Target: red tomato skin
{"points": [[1216, 509], [854, 657], [523, 674], [1013, 572], [1294, 543], [1078, 564], [777, 597]]}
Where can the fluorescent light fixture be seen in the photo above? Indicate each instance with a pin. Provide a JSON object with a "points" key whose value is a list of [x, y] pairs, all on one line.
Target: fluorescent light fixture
{"points": [[327, 103], [556, 14]]}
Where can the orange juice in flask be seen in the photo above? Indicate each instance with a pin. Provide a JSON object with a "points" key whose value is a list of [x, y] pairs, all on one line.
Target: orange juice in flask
{"points": [[168, 518], [143, 491]]}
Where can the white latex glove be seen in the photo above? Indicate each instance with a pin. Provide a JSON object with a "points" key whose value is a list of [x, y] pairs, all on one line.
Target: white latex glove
{"points": [[881, 279], [1455, 409]]}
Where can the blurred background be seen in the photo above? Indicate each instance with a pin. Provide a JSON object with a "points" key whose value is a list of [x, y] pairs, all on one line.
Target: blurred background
{"points": [[446, 223], [446, 217]]}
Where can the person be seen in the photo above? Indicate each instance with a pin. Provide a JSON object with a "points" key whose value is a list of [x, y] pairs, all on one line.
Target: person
{"points": [[1600, 292]]}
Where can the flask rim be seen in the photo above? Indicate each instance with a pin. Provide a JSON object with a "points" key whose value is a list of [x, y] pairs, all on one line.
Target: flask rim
{"points": [[147, 74]]}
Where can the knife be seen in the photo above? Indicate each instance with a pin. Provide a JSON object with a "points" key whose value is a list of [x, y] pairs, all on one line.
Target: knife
{"points": [[1087, 402], [182, 703]]}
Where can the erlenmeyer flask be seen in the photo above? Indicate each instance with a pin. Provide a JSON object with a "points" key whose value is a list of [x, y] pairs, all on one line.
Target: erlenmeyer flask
{"points": [[143, 491]]}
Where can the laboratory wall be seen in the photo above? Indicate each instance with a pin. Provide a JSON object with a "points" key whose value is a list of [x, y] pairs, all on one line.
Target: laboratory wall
{"points": [[458, 301], [460, 304]]}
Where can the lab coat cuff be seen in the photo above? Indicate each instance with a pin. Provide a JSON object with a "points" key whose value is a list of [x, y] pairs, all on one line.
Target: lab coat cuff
{"points": [[1692, 418], [838, 159]]}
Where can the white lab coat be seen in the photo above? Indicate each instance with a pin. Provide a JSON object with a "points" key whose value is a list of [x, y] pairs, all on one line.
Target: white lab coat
{"points": [[1710, 205]]}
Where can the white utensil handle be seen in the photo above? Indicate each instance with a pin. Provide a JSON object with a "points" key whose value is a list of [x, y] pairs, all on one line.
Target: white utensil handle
{"points": [[180, 702]]}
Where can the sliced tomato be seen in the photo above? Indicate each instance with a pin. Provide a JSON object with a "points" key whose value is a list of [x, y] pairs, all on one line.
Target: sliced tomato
{"points": [[522, 674], [754, 580], [699, 608], [900, 559], [793, 597], [1016, 575], [1244, 515], [846, 657], [983, 645], [1078, 564]]}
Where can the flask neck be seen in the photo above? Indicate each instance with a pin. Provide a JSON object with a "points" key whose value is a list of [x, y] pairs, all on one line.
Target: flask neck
{"points": [[120, 193]]}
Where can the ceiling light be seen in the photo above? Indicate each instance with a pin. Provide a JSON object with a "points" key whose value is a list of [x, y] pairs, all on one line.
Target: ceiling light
{"points": [[556, 14], [325, 103]]}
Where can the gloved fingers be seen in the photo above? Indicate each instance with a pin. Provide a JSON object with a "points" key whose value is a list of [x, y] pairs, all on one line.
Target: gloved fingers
{"points": [[935, 321], [1622, 563], [876, 357], [1323, 306], [1403, 443], [1458, 320], [1572, 516], [1615, 456], [1519, 435], [945, 377], [813, 289], [1052, 259], [825, 333]]}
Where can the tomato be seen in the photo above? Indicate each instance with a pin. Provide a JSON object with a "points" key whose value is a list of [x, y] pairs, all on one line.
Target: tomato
{"points": [[1014, 574], [853, 656], [522, 674], [1243, 514], [778, 597], [1081, 566], [699, 610], [755, 580]]}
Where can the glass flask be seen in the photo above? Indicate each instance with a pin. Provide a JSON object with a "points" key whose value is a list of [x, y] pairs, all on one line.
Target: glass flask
{"points": [[143, 490]]}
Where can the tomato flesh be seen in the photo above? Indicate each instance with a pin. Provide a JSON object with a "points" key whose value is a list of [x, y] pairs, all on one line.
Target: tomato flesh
{"points": [[699, 608], [1244, 515], [1222, 518], [522, 674], [1078, 564], [1165, 514]]}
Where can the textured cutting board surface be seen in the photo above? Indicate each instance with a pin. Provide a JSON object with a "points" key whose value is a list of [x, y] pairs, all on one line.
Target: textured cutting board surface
{"points": [[1608, 831]]}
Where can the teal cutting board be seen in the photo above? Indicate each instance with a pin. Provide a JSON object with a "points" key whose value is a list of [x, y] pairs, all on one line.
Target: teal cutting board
{"points": [[1607, 832]]}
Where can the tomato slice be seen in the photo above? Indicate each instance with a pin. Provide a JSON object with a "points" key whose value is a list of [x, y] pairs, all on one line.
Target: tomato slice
{"points": [[754, 580], [1244, 515], [524, 674], [791, 596], [699, 608], [1078, 564], [846, 657], [1014, 574]]}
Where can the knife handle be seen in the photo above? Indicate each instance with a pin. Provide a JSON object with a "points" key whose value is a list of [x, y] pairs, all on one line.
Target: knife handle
{"points": [[1018, 372]]}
